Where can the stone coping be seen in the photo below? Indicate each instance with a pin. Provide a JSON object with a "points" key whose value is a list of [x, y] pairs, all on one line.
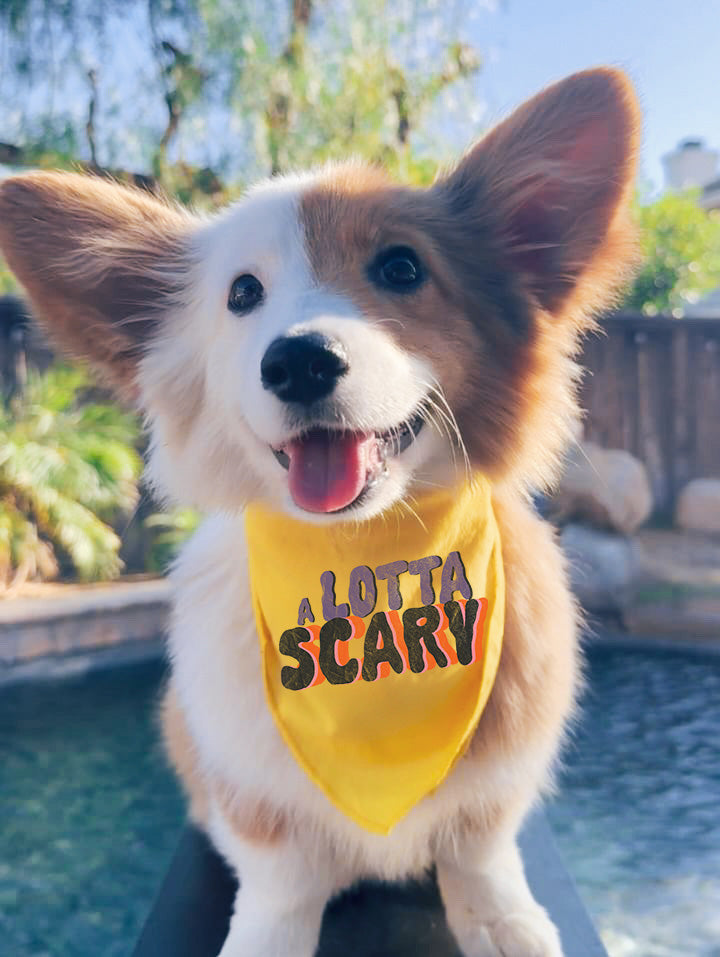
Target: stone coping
{"points": [[82, 629], [83, 600], [694, 618]]}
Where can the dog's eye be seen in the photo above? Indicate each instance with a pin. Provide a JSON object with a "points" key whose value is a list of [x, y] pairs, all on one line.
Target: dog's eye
{"points": [[246, 292], [398, 269]]}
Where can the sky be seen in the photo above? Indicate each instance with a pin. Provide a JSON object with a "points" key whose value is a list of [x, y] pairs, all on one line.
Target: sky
{"points": [[671, 50]]}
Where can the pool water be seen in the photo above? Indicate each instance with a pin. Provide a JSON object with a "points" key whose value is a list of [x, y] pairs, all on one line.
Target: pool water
{"points": [[638, 818], [89, 813]]}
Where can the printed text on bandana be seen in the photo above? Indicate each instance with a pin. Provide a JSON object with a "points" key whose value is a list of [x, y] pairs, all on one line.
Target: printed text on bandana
{"points": [[436, 634]]}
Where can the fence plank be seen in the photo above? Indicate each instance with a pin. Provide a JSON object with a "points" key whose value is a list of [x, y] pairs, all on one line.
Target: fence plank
{"points": [[653, 389]]}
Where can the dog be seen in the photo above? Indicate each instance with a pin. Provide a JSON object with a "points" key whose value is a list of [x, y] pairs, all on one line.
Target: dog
{"points": [[328, 355]]}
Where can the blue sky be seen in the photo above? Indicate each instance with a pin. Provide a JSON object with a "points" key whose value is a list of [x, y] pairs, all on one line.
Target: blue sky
{"points": [[671, 49]]}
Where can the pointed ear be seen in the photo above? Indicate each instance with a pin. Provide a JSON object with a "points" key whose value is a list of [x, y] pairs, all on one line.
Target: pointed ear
{"points": [[100, 263], [554, 180]]}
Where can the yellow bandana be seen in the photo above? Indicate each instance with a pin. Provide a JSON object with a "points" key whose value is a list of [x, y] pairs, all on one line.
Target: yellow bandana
{"points": [[380, 642]]}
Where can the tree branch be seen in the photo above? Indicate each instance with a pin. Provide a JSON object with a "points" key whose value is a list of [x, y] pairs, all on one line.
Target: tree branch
{"points": [[277, 114], [90, 125]]}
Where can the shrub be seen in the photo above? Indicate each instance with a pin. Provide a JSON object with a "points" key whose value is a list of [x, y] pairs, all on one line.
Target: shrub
{"points": [[171, 530], [681, 252], [8, 283], [68, 466]]}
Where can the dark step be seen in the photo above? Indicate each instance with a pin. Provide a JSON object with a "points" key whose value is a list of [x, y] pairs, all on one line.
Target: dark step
{"points": [[191, 914]]}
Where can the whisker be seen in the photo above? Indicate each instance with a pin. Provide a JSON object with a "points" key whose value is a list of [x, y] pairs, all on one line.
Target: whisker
{"points": [[426, 484], [444, 428], [447, 427], [406, 505], [438, 391]]}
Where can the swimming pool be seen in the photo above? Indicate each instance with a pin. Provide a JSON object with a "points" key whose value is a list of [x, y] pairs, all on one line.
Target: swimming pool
{"points": [[638, 819], [89, 813]]}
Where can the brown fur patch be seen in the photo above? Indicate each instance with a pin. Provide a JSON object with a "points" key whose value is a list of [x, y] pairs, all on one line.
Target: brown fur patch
{"points": [[539, 670], [99, 262], [182, 752], [526, 237], [254, 820]]}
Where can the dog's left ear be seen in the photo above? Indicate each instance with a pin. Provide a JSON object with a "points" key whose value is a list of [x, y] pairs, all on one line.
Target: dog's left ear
{"points": [[553, 181]]}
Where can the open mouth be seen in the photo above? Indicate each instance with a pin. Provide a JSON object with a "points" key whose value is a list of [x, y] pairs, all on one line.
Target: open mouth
{"points": [[330, 470]]}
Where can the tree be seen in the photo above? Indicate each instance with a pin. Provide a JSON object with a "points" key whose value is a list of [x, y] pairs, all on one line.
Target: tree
{"points": [[215, 93], [681, 255]]}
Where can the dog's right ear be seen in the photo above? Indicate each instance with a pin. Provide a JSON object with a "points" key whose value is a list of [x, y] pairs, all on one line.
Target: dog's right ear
{"points": [[100, 262], [553, 182]]}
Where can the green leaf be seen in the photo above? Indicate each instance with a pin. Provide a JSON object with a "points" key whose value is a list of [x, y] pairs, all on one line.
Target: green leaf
{"points": [[680, 243], [66, 470]]}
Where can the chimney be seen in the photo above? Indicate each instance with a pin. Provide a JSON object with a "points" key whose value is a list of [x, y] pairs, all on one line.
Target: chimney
{"points": [[691, 166]]}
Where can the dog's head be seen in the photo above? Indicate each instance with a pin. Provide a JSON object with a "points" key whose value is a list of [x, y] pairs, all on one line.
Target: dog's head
{"points": [[335, 342]]}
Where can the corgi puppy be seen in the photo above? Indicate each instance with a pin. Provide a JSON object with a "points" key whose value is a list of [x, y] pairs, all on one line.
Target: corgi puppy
{"points": [[373, 644]]}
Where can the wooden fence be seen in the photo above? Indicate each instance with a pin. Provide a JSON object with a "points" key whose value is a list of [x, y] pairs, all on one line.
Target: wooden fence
{"points": [[653, 388]]}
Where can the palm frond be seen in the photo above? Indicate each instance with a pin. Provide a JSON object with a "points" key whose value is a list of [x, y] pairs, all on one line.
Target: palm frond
{"points": [[68, 465]]}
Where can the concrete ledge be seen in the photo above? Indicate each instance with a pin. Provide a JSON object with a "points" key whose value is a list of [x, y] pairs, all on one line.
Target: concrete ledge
{"points": [[81, 630], [691, 617]]}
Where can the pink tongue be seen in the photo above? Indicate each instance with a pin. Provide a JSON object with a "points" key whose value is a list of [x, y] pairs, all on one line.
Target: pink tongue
{"points": [[328, 470]]}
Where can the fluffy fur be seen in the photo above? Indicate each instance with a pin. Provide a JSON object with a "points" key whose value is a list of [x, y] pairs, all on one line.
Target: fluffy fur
{"points": [[521, 241]]}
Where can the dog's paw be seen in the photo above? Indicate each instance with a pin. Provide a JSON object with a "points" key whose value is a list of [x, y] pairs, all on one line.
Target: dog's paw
{"points": [[526, 934]]}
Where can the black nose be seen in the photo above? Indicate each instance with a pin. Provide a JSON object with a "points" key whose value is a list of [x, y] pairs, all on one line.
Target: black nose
{"points": [[303, 368]]}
